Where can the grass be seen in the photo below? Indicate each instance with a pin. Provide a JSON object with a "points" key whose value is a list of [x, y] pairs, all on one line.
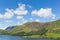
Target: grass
{"points": [[48, 35], [33, 36], [53, 35]]}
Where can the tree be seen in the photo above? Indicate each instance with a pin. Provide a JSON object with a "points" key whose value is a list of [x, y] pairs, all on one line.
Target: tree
{"points": [[43, 31]]}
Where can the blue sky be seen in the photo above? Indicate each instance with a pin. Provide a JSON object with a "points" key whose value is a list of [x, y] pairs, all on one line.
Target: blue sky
{"points": [[17, 12]]}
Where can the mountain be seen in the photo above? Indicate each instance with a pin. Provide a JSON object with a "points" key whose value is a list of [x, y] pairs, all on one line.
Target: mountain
{"points": [[10, 27], [35, 28], [30, 26]]}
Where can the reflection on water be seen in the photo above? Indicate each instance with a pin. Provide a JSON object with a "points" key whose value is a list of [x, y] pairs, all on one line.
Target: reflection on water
{"points": [[7, 37]]}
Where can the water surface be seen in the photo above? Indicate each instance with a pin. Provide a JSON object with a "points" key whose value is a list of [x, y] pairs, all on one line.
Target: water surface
{"points": [[7, 37]]}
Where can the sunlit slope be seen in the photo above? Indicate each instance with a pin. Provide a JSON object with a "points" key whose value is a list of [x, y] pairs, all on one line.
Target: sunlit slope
{"points": [[52, 27]]}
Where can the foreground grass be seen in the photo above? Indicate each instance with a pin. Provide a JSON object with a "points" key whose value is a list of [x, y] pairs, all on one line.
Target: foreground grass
{"points": [[33, 36], [48, 35], [53, 35]]}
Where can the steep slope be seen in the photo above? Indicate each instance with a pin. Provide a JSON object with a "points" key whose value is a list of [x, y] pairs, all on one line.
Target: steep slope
{"points": [[10, 27], [36, 27], [29, 26], [54, 26], [25, 28]]}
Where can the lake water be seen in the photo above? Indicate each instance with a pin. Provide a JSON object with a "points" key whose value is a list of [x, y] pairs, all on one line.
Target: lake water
{"points": [[7, 37]]}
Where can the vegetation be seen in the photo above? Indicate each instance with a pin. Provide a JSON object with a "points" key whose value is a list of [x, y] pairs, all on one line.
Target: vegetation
{"points": [[35, 29]]}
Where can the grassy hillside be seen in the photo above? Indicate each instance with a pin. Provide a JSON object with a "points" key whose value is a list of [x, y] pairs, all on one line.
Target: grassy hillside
{"points": [[47, 29], [28, 27]]}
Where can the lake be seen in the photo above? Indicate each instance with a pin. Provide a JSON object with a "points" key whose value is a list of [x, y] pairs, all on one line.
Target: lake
{"points": [[7, 37]]}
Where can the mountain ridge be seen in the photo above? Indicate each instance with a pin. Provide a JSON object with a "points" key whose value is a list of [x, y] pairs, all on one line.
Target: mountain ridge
{"points": [[35, 28]]}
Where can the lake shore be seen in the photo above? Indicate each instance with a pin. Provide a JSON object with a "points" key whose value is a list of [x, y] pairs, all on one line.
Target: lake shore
{"points": [[9, 37]]}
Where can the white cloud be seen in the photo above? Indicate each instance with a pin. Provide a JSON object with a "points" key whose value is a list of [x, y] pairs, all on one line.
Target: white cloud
{"points": [[25, 21], [21, 10], [8, 14], [45, 13], [19, 17], [37, 20], [1, 26], [29, 6], [8, 21], [22, 21], [1, 16]]}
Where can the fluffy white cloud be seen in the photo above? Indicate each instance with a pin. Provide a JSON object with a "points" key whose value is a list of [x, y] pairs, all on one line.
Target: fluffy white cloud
{"points": [[1, 26], [19, 17], [25, 21], [37, 20], [21, 10], [22, 21], [8, 14], [45, 13]]}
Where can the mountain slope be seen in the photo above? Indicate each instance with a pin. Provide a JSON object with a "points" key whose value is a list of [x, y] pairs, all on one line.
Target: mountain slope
{"points": [[35, 28]]}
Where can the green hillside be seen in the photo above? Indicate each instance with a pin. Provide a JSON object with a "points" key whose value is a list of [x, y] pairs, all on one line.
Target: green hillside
{"points": [[32, 29], [28, 27]]}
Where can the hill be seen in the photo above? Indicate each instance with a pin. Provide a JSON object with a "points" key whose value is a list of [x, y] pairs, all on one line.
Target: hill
{"points": [[35, 28], [28, 27]]}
